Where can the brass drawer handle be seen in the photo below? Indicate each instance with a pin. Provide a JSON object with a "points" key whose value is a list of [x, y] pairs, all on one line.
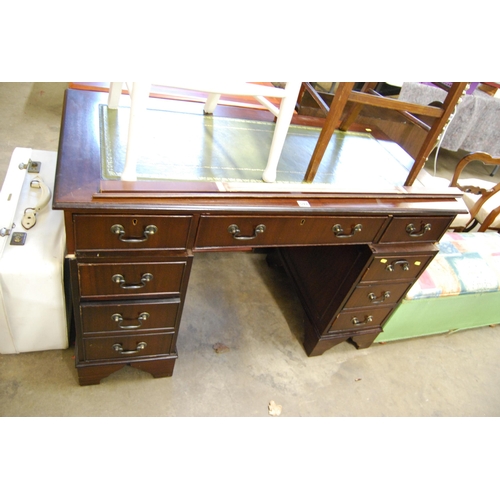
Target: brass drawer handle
{"points": [[410, 229], [339, 232], [236, 232], [403, 263], [119, 230], [119, 348], [357, 322], [118, 318], [118, 278], [378, 300]]}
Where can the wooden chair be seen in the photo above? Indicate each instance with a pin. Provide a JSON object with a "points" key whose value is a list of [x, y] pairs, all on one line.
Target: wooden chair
{"points": [[481, 197], [432, 118], [139, 94]]}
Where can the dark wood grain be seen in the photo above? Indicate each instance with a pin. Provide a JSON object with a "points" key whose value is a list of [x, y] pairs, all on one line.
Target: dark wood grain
{"points": [[98, 317], [331, 272], [94, 232], [164, 279]]}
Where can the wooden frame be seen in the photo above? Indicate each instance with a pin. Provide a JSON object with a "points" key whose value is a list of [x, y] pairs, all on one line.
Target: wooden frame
{"points": [[368, 96], [485, 194]]}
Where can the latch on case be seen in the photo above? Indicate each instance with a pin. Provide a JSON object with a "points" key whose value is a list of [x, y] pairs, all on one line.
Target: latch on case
{"points": [[33, 167], [18, 239]]}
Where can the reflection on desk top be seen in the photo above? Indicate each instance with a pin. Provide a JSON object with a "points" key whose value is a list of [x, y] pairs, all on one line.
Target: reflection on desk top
{"points": [[192, 159], [189, 146]]}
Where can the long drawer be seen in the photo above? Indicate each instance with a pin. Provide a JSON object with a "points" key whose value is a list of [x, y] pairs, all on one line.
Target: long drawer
{"points": [[127, 347], [138, 279], [231, 231], [129, 317], [124, 232]]}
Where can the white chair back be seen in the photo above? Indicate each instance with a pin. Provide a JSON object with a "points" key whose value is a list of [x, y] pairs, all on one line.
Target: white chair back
{"points": [[139, 94]]}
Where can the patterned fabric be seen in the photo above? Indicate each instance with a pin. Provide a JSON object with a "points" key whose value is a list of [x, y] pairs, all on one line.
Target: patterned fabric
{"points": [[476, 124], [466, 263]]}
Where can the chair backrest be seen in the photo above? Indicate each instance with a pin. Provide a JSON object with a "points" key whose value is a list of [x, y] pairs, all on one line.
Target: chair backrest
{"points": [[264, 94], [486, 208], [432, 119], [257, 90]]}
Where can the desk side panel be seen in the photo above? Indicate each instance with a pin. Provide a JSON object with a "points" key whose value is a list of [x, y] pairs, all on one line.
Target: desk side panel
{"points": [[323, 277]]}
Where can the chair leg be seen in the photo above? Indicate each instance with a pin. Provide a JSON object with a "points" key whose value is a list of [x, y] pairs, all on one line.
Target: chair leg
{"points": [[139, 95], [115, 92], [351, 117], [332, 121], [430, 141], [283, 121], [211, 103]]}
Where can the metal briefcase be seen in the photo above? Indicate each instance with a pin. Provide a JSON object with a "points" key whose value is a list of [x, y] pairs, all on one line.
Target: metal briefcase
{"points": [[32, 248]]}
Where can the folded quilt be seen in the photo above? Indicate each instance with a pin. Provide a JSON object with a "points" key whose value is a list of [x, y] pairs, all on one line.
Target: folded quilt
{"points": [[466, 263]]}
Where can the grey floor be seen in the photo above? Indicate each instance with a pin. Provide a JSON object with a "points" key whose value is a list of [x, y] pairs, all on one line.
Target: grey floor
{"points": [[235, 299]]}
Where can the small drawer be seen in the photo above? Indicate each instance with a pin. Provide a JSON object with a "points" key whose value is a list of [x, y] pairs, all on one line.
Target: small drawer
{"points": [[415, 230], [127, 347], [129, 317], [371, 295], [231, 231], [123, 232], [360, 319], [407, 267], [112, 280]]}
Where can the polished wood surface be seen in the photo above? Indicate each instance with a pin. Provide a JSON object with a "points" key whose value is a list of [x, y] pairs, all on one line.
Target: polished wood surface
{"points": [[140, 279], [342, 249]]}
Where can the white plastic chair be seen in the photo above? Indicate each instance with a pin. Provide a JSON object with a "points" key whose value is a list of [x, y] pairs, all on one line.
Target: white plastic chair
{"points": [[139, 94]]}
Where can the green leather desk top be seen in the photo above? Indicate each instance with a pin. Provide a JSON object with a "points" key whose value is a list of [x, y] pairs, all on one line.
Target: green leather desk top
{"points": [[194, 147]]}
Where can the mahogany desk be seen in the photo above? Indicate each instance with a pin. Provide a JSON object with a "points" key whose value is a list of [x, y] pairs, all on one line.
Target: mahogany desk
{"points": [[351, 255]]}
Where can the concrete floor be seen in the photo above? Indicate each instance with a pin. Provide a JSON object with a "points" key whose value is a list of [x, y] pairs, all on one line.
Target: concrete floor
{"points": [[235, 299]]}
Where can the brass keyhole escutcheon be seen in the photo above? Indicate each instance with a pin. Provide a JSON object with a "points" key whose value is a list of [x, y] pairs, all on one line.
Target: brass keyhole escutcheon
{"points": [[302, 222], [134, 222]]}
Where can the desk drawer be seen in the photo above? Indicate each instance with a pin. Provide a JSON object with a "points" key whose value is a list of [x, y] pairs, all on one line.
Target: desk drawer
{"points": [[371, 295], [407, 267], [123, 232], [127, 347], [230, 231], [415, 230], [139, 279], [130, 317], [360, 319]]}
